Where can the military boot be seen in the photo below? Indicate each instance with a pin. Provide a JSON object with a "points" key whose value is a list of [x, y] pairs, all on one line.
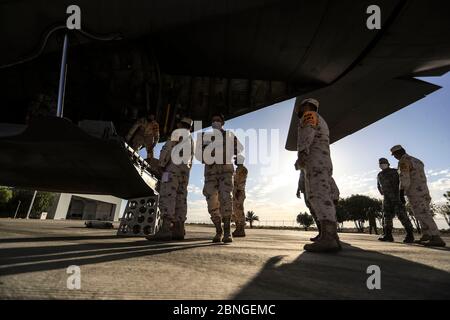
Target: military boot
{"points": [[424, 238], [227, 230], [328, 241], [409, 237], [239, 231], [219, 231], [178, 230], [435, 241], [164, 233], [314, 239], [387, 237]]}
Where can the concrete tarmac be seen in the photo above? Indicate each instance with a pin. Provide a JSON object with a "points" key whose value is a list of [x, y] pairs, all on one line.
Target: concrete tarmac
{"points": [[267, 264]]}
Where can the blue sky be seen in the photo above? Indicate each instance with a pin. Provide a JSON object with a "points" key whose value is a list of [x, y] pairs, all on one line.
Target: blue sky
{"points": [[422, 128]]}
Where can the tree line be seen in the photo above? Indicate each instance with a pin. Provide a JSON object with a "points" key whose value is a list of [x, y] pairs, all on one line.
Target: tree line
{"points": [[360, 208]]}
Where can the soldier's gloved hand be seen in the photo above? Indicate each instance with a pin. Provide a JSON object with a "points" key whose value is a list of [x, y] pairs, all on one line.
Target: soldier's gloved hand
{"points": [[299, 195], [297, 165]]}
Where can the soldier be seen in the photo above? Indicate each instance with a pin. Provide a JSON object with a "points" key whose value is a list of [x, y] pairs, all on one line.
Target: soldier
{"points": [[144, 133], [175, 161], [388, 185], [313, 146], [216, 150], [240, 178], [301, 189], [413, 184], [372, 222]]}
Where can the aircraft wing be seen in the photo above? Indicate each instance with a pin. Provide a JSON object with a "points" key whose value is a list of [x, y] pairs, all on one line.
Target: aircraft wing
{"points": [[194, 58], [351, 108]]}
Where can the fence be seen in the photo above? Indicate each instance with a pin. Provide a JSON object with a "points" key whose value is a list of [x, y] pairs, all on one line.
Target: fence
{"points": [[263, 223]]}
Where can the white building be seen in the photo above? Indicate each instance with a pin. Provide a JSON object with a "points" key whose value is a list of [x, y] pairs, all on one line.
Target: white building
{"points": [[86, 207]]}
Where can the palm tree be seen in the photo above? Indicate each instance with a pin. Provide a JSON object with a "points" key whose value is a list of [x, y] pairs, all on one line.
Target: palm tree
{"points": [[251, 216]]}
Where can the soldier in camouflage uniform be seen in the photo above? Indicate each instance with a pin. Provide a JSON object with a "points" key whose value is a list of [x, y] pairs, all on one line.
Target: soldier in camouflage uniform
{"points": [[413, 184], [372, 218], [388, 185], [313, 147], [175, 161], [240, 178], [302, 189], [217, 150], [144, 133]]}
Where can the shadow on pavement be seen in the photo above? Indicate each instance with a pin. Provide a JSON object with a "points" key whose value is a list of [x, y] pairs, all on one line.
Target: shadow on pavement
{"points": [[343, 276], [81, 237], [58, 238], [44, 258]]}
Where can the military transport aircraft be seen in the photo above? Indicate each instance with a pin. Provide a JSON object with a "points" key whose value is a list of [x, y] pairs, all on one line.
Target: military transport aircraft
{"points": [[192, 58]]}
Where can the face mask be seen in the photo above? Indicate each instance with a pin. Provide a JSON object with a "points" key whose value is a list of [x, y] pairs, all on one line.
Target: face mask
{"points": [[384, 166], [217, 125]]}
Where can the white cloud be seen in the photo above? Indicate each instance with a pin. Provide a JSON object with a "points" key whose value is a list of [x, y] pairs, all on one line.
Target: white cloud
{"points": [[438, 183], [442, 184], [363, 183]]}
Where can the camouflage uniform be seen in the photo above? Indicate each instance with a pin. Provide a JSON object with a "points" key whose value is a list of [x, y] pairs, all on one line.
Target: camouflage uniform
{"points": [[240, 178], [218, 187], [144, 133], [313, 146], [301, 187], [388, 185], [315, 160], [414, 183], [173, 191], [372, 222]]}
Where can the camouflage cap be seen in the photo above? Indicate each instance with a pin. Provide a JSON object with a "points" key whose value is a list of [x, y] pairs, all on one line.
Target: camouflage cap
{"points": [[396, 148], [383, 160], [312, 101]]}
